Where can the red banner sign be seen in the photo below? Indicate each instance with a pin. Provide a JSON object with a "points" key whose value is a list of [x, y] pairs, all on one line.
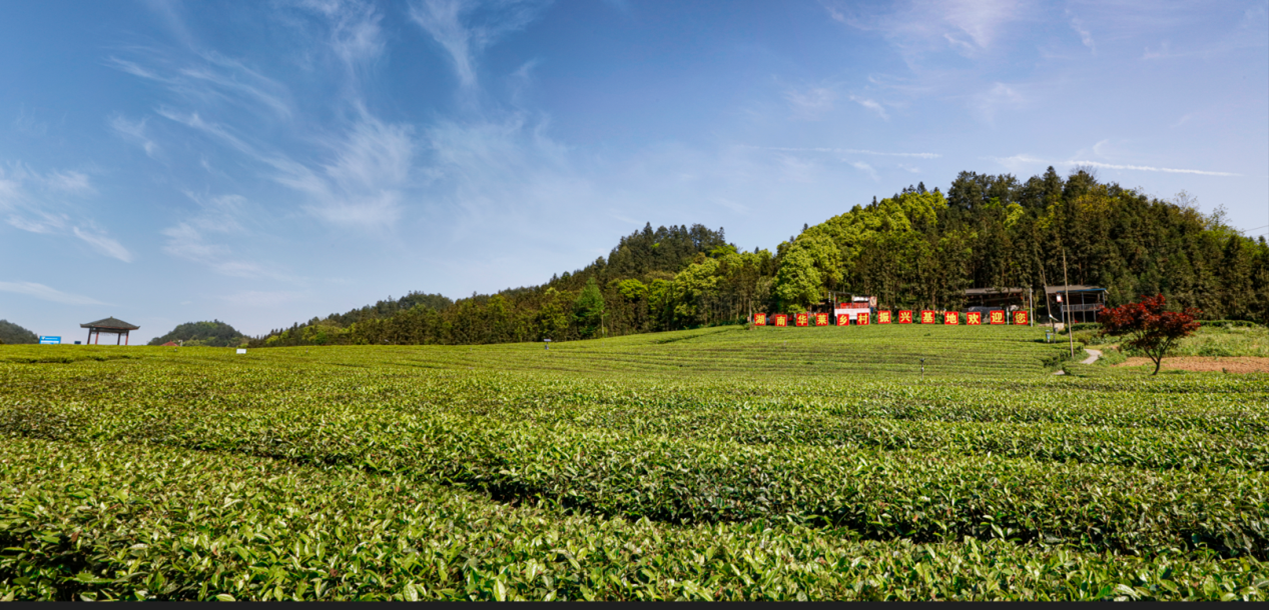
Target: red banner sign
{"points": [[974, 318], [952, 317], [803, 319], [1020, 317], [843, 319], [821, 319], [760, 319], [997, 316], [905, 317], [883, 317], [781, 320], [862, 319], [927, 317]]}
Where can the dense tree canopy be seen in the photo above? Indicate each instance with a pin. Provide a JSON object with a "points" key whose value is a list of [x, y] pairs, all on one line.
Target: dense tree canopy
{"points": [[915, 249], [210, 334], [13, 334]]}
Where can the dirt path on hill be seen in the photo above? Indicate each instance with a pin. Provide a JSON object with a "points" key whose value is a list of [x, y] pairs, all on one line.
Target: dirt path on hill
{"points": [[1093, 355], [1241, 364]]}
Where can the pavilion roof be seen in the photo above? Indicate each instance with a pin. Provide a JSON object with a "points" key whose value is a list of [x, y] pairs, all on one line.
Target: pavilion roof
{"points": [[111, 323]]}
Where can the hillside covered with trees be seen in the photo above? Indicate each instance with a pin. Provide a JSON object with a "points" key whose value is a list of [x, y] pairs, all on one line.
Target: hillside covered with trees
{"points": [[12, 334], [209, 334], [915, 249]]}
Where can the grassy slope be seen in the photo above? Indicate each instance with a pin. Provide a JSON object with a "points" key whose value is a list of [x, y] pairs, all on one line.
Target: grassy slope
{"points": [[727, 430], [877, 350]]}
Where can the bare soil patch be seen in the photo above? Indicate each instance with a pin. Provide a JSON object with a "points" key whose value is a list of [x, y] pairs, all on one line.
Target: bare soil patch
{"points": [[1228, 364]]}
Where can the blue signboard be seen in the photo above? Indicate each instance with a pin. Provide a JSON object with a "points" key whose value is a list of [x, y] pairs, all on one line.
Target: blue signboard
{"points": [[50, 340]]}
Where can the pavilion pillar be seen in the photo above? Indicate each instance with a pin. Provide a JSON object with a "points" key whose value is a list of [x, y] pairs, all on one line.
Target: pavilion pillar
{"points": [[125, 337]]}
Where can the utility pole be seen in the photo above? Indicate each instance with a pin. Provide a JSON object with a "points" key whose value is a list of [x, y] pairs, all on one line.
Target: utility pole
{"points": [[1066, 309], [1031, 306]]}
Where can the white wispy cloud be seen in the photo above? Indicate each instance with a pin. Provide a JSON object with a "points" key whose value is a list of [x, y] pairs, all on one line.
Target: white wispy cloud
{"points": [[38, 221], [40, 291], [736, 207], [864, 167], [464, 28], [1086, 37], [38, 203], [263, 298], [135, 132], [981, 20], [358, 185], [103, 244], [853, 151], [1146, 168], [508, 173], [195, 121], [362, 182], [872, 105], [215, 237], [916, 29], [1020, 161], [207, 78], [354, 35], [69, 181], [988, 102], [355, 174], [811, 103]]}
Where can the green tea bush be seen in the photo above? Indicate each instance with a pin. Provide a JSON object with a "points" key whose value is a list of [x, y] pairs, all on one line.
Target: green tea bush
{"points": [[770, 464], [114, 522]]}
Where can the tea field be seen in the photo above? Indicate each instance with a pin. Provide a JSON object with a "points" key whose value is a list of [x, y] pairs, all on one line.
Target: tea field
{"points": [[718, 464]]}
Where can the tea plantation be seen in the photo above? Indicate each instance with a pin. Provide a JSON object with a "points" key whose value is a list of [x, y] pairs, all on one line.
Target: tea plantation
{"points": [[718, 464]]}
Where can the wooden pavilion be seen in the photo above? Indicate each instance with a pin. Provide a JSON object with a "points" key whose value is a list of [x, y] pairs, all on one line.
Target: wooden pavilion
{"points": [[115, 326]]}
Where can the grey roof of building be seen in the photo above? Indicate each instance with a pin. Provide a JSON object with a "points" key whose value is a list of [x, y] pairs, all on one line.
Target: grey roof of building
{"points": [[995, 291], [1073, 288], [110, 323]]}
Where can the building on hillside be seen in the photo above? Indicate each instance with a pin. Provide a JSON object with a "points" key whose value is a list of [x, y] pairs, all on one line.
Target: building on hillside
{"points": [[1007, 299], [115, 326], [1083, 304]]}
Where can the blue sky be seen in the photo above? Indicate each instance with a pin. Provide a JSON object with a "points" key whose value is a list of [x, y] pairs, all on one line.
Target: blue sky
{"points": [[266, 162]]}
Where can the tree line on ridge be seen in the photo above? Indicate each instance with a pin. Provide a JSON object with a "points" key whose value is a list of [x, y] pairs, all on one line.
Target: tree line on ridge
{"points": [[917, 249]]}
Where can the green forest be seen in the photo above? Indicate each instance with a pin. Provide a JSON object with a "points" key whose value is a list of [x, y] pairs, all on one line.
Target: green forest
{"points": [[210, 334], [915, 249], [12, 334]]}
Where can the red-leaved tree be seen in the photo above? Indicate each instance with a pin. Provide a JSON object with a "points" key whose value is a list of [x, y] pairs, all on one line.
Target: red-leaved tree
{"points": [[1148, 327]]}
